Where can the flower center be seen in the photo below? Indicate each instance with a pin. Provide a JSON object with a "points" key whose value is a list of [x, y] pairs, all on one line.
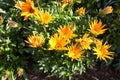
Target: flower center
{"points": [[31, 10]]}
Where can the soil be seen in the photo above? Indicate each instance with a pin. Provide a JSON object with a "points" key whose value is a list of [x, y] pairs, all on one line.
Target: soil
{"points": [[95, 73], [91, 74]]}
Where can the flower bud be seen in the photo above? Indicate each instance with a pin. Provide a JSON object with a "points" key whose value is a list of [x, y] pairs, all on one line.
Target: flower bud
{"points": [[20, 72], [1, 19], [6, 75]]}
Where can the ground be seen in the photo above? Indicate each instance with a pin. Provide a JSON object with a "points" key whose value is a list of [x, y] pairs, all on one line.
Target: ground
{"points": [[95, 73], [90, 74]]}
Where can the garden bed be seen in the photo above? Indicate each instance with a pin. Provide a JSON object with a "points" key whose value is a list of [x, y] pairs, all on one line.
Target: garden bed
{"points": [[95, 73]]}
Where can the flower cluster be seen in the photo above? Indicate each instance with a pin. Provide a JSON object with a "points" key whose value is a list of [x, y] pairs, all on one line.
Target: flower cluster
{"points": [[65, 35], [62, 40], [28, 9]]}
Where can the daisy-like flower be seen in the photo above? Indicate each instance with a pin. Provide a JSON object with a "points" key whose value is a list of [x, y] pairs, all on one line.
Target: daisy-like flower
{"points": [[75, 52], [107, 10], [67, 31], [96, 27], [85, 41], [81, 11], [58, 43], [101, 50], [66, 1], [28, 8], [44, 17], [35, 40]]}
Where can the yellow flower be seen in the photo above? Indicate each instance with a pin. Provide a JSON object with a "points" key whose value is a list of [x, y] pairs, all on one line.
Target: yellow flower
{"points": [[107, 10], [27, 8], [81, 11], [58, 43], [101, 50], [67, 31], [35, 40], [75, 52], [85, 41], [44, 17], [96, 27], [66, 1]]}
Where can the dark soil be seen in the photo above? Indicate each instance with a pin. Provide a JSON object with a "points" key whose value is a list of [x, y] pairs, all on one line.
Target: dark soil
{"points": [[95, 73], [91, 74]]}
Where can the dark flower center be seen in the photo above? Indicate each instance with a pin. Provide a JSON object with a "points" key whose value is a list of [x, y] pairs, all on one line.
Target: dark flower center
{"points": [[31, 10]]}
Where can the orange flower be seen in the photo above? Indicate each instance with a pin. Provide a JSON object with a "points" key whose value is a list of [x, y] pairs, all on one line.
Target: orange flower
{"points": [[27, 8], [58, 43], [81, 11], [35, 40], [1, 19], [85, 41], [66, 1], [66, 31], [107, 10], [44, 17], [102, 50], [96, 27], [75, 52]]}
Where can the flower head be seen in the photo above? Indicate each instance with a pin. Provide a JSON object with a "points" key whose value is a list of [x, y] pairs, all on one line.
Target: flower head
{"points": [[101, 50], [85, 41], [66, 1], [107, 10], [97, 28], [75, 52], [67, 31], [35, 40], [81, 11], [44, 17], [27, 8], [58, 42]]}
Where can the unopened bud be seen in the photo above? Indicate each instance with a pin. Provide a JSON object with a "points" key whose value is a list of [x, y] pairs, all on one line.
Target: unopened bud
{"points": [[6, 75], [20, 72], [12, 24]]}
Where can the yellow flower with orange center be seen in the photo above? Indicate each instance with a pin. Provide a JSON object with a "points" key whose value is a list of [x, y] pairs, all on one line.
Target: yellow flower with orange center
{"points": [[96, 27], [81, 11], [107, 10], [67, 31], [75, 52], [66, 1], [44, 17], [57, 42], [85, 41], [35, 40], [28, 8], [101, 50]]}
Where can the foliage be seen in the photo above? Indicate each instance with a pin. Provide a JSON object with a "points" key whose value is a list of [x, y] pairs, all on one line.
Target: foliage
{"points": [[59, 37]]}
